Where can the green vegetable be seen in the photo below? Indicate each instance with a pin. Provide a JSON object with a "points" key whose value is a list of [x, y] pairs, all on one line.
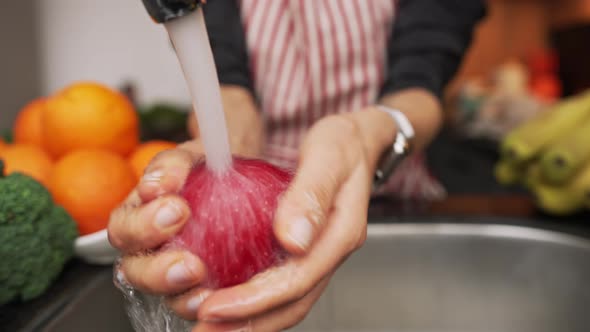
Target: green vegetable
{"points": [[36, 238], [164, 121], [7, 136]]}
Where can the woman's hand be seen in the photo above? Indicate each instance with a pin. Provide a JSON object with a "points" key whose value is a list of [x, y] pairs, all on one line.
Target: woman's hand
{"points": [[150, 216], [321, 220], [154, 212]]}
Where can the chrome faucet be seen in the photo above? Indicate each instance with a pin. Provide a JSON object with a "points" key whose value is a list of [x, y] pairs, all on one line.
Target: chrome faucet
{"points": [[163, 11]]}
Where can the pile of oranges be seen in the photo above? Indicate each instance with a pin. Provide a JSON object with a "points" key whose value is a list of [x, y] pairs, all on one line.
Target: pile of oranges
{"points": [[82, 143]]}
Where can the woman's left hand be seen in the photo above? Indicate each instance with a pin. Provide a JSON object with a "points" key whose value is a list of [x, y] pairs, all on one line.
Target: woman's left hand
{"points": [[321, 220]]}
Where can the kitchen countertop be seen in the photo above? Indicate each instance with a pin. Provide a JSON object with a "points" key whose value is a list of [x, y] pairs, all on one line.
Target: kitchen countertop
{"points": [[463, 167], [33, 315]]}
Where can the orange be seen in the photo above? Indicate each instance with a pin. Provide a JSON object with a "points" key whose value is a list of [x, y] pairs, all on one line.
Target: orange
{"points": [[27, 126], [144, 153], [89, 184], [3, 145], [89, 115], [27, 159]]}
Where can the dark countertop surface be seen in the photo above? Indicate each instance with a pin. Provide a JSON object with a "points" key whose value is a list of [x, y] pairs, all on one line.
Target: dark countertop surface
{"points": [[463, 167], [31, 316]]}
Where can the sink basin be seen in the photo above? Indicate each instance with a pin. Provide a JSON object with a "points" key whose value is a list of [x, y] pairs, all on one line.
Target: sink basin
{"points": [[440, 277], [459, 278]]}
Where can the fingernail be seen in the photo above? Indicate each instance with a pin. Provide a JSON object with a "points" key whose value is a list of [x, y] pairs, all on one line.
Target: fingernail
{"points": [[168, 215], [182, 272], [154, 176], [301, 231], [194, 303]]}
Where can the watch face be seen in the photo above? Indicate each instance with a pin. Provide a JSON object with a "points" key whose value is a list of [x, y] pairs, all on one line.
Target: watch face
{"points": [[391, 159]]}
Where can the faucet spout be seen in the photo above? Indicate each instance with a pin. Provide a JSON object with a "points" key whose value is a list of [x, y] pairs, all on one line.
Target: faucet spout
{"points": [[163, 11]]}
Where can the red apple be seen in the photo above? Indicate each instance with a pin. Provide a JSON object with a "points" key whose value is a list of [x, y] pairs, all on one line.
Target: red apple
{"points": [[231, 226]]}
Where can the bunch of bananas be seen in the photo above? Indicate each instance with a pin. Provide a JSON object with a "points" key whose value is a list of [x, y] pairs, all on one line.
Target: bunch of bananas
{"points": [[550, 156]]}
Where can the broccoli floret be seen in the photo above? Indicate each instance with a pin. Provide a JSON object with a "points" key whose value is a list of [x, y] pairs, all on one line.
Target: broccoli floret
{"points": [[36, 238], [21, 199]]}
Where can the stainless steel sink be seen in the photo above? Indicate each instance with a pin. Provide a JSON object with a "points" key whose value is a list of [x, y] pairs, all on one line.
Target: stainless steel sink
{"points": [[459, 278], [442, 278]]}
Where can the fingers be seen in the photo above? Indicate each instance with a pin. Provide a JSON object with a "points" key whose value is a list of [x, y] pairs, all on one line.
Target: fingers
{"points": [[187, 304], [327, 157], [134, 228], [149, 218], [345, 232], [167, 172], [168, 272], [276, 320]]}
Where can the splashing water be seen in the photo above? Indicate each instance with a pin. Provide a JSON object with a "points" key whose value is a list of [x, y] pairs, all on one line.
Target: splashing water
{"points": [[191, 42], [148, 313]]}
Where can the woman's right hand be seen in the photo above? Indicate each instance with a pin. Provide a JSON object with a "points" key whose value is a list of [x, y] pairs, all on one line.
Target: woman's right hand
{"points": [[150, 216], [154, 212]]}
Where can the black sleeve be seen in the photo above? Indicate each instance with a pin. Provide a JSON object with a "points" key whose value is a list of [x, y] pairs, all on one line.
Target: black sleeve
{"points": [[227, 38], [428, 42]]}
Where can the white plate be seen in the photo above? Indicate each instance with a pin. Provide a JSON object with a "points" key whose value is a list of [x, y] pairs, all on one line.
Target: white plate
{"points": [[95, 248]]}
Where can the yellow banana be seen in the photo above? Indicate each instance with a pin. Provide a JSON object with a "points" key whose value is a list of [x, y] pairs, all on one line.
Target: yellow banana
{"points": [[508, 174], [526, 141], [533, 176], [557, 200], [581, 184], [566, 199], [568, 155]]}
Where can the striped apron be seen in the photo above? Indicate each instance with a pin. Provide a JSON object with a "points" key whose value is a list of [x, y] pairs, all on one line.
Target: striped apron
{"points": [[312, 58]]}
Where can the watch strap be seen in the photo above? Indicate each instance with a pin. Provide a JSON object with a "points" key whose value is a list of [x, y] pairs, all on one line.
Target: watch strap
{"points": [[401, 120]]}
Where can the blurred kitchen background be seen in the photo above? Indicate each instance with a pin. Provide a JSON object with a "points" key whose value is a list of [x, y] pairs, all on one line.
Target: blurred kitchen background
{"points": [[49, 44], [110, 41], [527, 54]]}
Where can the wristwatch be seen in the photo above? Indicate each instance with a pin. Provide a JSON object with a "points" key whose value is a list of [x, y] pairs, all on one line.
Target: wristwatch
{"points": [[401, 147]]}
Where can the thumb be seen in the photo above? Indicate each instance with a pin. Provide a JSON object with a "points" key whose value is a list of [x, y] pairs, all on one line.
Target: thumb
{"points": [[327, 158]]}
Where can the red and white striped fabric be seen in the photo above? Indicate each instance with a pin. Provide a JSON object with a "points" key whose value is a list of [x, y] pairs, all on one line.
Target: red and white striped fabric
{"points": [[311, 58]]}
